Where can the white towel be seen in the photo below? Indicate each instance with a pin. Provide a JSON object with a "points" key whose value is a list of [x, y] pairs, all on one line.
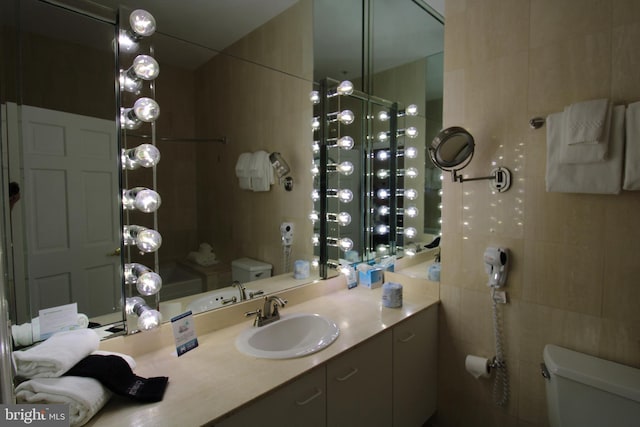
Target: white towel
{"points": [[85, 396], [57, 354], [602, 178], [27, 333], [261, 171], [632, 152], [243, 171], [586, 132]]}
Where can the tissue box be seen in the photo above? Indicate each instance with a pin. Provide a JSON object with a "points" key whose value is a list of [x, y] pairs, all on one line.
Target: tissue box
{"points": [[371, 278]]}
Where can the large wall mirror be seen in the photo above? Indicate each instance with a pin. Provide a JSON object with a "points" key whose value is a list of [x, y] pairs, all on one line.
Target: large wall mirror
{"points": [[234, 84]]}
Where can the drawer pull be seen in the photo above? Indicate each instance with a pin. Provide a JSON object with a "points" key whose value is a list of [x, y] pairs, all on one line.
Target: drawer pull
{"points": [[409, 338], [318, 393], [349, 375]]}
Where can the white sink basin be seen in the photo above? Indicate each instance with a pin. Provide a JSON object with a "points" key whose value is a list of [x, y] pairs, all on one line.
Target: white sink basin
{"points": [[294, 335]]}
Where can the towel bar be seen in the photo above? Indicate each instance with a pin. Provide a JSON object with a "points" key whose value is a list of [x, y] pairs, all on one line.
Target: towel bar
{"points": [[536, 122]]}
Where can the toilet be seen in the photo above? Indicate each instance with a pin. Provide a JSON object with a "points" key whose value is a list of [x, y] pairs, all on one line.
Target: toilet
{"points": [[586, 391], [247, 270]]}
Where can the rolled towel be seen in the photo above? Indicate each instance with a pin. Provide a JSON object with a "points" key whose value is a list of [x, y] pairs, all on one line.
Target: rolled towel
{"points": [[56, 355], [85, 396], [27, 333]]}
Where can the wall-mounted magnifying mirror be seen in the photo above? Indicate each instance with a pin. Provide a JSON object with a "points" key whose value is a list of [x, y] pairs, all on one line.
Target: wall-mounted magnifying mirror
{"points": [[452, 150]]}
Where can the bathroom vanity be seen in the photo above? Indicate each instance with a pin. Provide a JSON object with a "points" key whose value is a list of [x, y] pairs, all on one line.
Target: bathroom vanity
{"points": [[380, 371]]}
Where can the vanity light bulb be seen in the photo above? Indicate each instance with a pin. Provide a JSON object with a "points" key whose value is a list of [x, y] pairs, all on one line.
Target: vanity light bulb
{"points": [[411, 132], [148, 240], [315, 239], [383, 193], [149, 319], [315, 169], [142, 22], [382, 229], [132, 303], [345, 168], [145, 155], [345, 196], [128, 119], [382, 249], [149, 283], [383, 136], [314, 97], [315, 263], [410, 232], [145, 67], [126, 43], [315, 147], [346, 117], [146, 109], [315, 123], [382, 173], [142, 199], [345, 88], [314, 216], [411, 211], [382, 155], [345, 142], [411, 173], [383, 210], [343, 218], [383, 116], [411, 110], [315, 195], [411, 152], [346, 244], [410, 194], [129, 84]]}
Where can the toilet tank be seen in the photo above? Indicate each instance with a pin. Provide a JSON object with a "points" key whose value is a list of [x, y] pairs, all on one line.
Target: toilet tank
{"points": [[586, 391], [246, 270]]}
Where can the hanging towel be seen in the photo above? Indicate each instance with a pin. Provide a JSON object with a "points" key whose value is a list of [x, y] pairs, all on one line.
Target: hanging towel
{"points": [[243, 171], [85, 396], [261, 171], [57, 354], [586, 132], [632, 151], [602, 178]]}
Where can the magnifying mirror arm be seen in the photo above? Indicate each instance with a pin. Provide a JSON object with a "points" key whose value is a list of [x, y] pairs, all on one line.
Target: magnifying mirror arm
{"points": [[500, 177], [459, 178]]}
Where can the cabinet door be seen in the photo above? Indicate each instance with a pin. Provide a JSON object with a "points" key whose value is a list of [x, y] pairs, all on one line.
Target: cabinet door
{"points": [[414, 368], [359, 385], [301, 403]]}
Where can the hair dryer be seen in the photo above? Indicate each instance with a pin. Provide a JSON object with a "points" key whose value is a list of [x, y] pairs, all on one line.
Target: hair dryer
{"points": [[496, 261]]}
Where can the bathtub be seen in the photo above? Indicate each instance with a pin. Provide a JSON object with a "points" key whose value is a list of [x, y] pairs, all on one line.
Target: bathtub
{"points": [[178, 282]]}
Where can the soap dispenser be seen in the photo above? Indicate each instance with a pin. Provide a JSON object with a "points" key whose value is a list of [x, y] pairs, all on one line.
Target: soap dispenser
{"points": [[434, 269]]}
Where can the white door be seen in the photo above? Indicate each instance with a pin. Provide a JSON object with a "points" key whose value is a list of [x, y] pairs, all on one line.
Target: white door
{"points": [[72, 213]]}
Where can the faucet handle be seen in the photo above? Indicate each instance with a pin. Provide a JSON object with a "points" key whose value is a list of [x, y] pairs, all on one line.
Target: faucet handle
{"points": [[256, 293], [257, 312]]}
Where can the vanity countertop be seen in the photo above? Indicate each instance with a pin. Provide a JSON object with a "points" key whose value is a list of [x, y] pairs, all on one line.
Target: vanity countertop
{"points": [[215, 378]]}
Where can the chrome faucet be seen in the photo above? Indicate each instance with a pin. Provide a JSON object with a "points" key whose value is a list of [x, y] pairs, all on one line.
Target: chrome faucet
{"points": [[269, 312], [241, 289]]}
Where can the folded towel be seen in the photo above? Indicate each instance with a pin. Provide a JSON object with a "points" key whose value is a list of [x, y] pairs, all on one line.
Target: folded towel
{"points": [[602, 178], [632, 154], [261, 171], [85, 396], [130, 360], [586, 121], [243, 171], [586, 132], [56, 355], [27, 333]]}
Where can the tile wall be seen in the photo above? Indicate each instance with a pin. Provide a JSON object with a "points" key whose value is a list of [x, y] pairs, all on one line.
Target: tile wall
{"points": [[574, 274]]}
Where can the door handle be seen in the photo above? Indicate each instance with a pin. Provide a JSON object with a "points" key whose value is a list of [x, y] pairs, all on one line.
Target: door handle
{"points": [[349, 375], [310, 398]]}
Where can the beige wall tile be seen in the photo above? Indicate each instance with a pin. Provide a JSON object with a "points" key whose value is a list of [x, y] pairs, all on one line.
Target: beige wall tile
{"points": [[626, 62]]}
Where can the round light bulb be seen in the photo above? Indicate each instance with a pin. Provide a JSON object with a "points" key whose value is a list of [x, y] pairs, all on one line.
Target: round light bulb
{"points": [[148, 240], [146, 155], [346, 244], [315, 169], [315, 147], [411, 152], [382, 173], [345, 168], [146, 109], [149, 319], [382, 193], [314, 216], [410, 232], [315, 263], [315, 239], [343, 219], [382, 229], [411, 173], [411, 110], [142, 22], [383, 116], [382, 249], [149, 283], [382, 155], [412, 132], [411, 194], [411, 211], [345, 196], [383, 210], [383, 136], [142, 199], [314, 97], [315, 195], [145, 67], [315, 123], [346, 117], [345, 142], [132, 303], [345, 88]]}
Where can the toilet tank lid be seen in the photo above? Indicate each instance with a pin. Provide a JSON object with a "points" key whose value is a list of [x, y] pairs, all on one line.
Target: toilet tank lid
{"points": [[599, 373], [250, 264]]}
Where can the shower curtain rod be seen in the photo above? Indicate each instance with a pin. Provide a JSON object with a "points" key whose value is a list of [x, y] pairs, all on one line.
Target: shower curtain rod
{"points": [[222, 139]]}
